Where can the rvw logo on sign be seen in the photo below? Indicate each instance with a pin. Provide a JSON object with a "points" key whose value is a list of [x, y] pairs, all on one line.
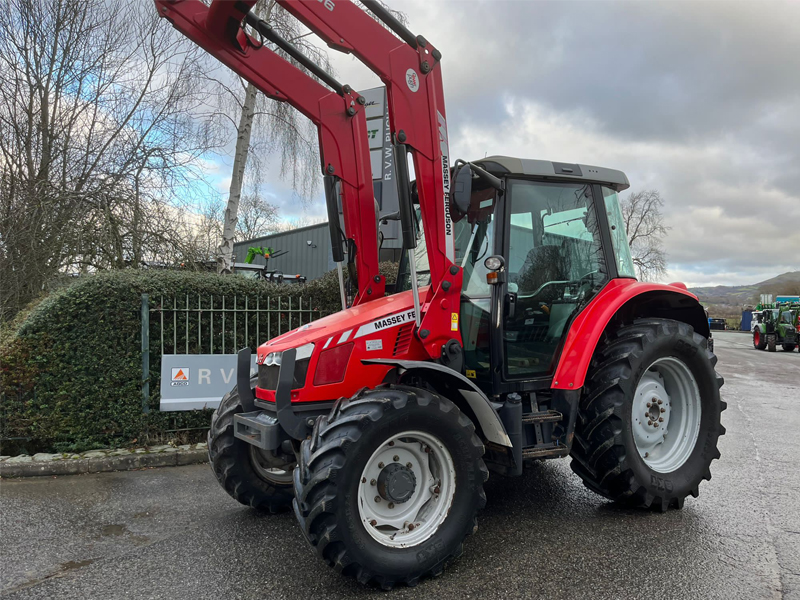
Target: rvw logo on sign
{"points": [[197, 381]]}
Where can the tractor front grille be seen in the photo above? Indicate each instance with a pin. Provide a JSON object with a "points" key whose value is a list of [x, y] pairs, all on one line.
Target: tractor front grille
{"points": [[268, 375]]}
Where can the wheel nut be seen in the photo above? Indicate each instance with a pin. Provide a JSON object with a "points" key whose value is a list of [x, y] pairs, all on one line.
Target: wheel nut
{"points": [[663, 410], [409, 466], [411, 527], [373, 522], [649, 404], [363, 480], [436, 490], [659, 401], [646, 454], [649, 422], [660, 419], [372, 482], [380, 465], [391, 443], [377, 498], [395, 458], [391, 504]]}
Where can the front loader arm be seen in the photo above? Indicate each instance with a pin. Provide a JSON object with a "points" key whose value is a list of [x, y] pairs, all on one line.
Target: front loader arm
{"points": [[338, 115], [410, 69]]}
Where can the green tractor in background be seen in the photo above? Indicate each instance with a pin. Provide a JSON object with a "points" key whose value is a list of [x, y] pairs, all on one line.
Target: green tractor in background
{"points": [[777, 324]]}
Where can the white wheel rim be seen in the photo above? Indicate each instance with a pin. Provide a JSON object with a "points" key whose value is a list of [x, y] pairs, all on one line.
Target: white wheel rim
{"points": [[402, 524], [665, 415]]}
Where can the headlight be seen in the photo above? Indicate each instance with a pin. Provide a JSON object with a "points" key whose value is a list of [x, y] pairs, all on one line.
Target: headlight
{"points": [[273, 358], [304, 352]]}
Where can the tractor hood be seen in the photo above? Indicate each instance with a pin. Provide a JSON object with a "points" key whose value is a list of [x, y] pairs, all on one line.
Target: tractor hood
{"points": [[346, 324]]}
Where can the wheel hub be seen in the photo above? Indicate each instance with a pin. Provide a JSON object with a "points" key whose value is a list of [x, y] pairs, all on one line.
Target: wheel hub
{"points": [[397, 483], [406, 489], [666, 393]]}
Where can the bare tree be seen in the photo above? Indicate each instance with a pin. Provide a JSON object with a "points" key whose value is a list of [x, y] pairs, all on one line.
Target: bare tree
{"points": [[646, 230], [98, 144], [257, 217], [266, 127]]}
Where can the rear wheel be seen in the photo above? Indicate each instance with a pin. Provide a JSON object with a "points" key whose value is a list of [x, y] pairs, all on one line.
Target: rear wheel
{"points": [[789, 347], [389, 485], [258, 478], [771, 342], [649, 420], [759, 340]]}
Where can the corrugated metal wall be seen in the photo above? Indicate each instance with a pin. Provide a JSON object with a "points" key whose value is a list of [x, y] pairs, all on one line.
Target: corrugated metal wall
{"points": [[311, 261]]}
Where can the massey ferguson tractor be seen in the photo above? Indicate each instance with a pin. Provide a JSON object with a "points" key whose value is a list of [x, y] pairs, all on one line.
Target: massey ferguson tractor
{"points": [[517, 331]]}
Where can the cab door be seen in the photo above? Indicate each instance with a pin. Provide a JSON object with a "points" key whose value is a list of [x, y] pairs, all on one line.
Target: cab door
{"points": [[554, 261]]}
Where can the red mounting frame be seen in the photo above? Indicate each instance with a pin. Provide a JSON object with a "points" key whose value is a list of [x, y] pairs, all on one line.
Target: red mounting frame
{"points": [[343, 140], [413, 79]]}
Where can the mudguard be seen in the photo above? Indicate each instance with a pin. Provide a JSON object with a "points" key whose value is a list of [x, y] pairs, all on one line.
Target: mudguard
{"points": [[484, 409], [631, 299]]}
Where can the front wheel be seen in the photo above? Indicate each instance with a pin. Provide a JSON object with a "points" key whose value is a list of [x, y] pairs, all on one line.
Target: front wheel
{"points": [[649, 419], [389, 485], [254, 477], [789, 347], [771, 342]]}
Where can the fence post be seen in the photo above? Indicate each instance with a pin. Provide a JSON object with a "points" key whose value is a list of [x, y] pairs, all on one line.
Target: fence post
{"points": [[145, 353]]}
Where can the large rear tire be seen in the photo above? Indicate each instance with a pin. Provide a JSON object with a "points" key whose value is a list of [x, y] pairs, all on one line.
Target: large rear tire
{"points": [[649, 419], [251, 476], [759, 339], [389, 485]]}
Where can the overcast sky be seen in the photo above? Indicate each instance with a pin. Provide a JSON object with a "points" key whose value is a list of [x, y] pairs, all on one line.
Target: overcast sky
{"points": [[699, 100]]}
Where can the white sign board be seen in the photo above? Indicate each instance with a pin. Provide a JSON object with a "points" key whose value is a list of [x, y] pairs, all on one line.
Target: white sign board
{"points": [[196, 381]]}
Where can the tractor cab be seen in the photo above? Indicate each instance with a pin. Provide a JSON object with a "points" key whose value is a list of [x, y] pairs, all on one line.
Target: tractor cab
{"points": [[555, 234]]}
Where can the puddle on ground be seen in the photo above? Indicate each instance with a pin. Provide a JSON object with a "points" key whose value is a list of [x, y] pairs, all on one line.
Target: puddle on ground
{"points": [[113, 530], [120, 530], [76, 564]]}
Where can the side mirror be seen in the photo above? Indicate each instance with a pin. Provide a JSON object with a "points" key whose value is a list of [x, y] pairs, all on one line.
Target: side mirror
{"points": [[462, 190]]}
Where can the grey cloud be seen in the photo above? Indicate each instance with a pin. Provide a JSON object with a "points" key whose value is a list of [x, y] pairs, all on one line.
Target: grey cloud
{"points": [[700, 100]]}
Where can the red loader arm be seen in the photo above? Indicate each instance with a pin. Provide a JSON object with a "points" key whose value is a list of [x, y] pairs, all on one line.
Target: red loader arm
{"points": [[338, 114], [410, 69]]}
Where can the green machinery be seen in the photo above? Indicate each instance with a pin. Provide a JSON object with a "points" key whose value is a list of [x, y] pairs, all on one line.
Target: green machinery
{"points": [[777, 324]]}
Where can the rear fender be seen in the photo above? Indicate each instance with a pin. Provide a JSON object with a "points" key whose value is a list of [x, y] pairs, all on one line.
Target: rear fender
{"points": [[470, 399], [622, 301]]}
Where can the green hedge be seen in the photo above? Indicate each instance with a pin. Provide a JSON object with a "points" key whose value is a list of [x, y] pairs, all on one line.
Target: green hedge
{"points": [[71, 371]]}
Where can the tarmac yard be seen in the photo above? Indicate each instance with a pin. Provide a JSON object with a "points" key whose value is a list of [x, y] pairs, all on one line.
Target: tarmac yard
{"points": [[173, 532]]}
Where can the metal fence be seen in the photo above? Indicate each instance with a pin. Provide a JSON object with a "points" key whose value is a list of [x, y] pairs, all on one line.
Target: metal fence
{"points": [[195, 324]]}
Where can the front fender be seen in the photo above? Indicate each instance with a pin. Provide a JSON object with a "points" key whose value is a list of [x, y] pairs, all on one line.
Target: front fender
{"points": [[484, 410], [629, 299]]}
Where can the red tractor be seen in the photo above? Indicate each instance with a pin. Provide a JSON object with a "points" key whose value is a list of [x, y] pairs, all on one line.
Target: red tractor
{"points": [[522, 333]]}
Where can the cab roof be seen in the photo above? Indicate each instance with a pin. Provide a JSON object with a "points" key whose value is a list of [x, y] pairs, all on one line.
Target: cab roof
{"points": [[617, 180]]}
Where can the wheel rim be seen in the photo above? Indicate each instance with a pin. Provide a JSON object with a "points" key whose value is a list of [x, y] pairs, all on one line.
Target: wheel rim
{"points": [[666, 415], [271, 467], [406, 489], [756, 338]]}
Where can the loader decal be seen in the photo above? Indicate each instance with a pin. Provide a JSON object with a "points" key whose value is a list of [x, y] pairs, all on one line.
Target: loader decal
{"points": [[449, 242]]}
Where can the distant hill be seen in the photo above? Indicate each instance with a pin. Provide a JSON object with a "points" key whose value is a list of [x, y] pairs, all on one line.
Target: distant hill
{"points": [[727, 300]]}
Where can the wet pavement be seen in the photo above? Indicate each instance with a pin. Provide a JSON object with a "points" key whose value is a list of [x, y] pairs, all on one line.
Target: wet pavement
{"points": [[173, 533]]}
